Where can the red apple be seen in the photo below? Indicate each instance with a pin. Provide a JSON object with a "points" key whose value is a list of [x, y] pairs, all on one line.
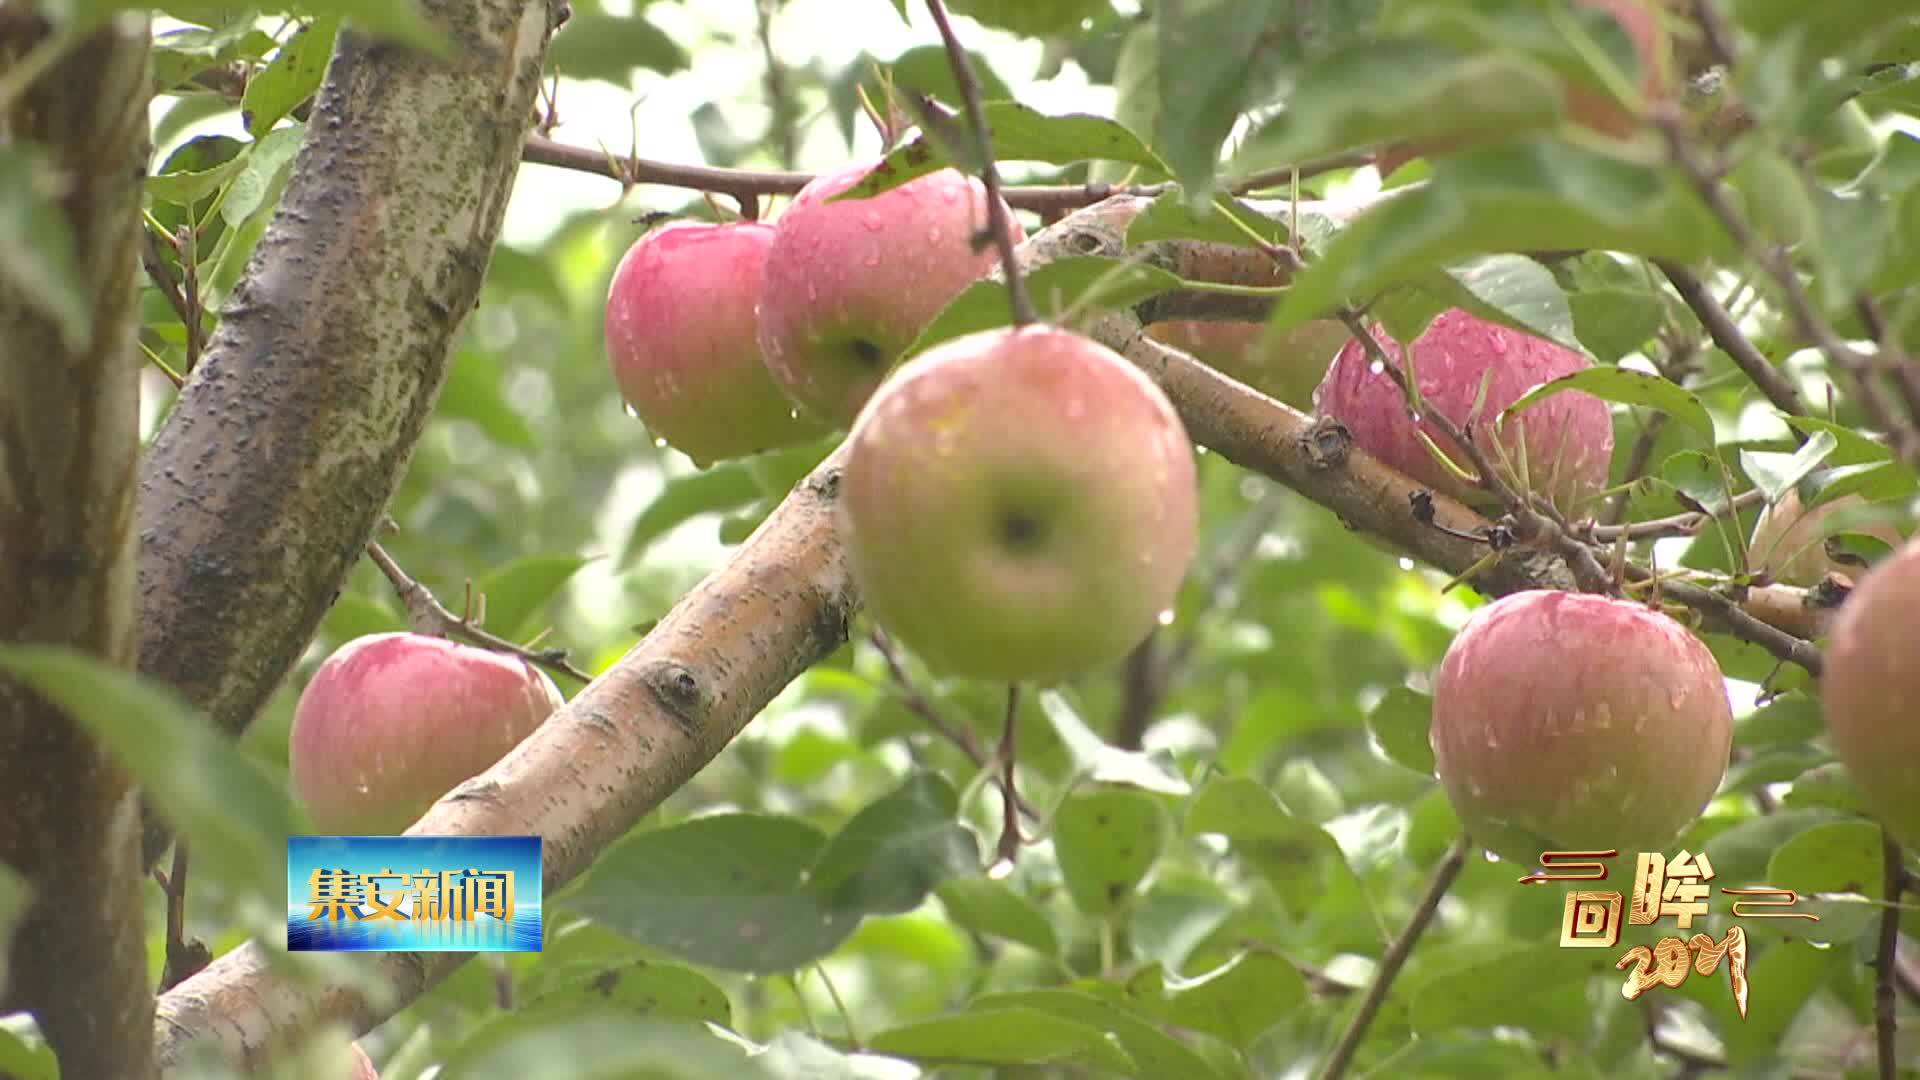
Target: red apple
{"points": [[1568, 437], [1871, 684], [681, 340], [850, 284], [362, 1065], [1287, 371], [391, 722], [1019, 505], [1574, 721], [1788, 539]]}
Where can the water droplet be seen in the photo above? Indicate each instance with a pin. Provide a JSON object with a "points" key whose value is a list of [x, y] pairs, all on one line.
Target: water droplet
{"points": [[1376, 368], [660, 444], [1493, 739], [1406, 563], [1166, 617], [1201, 450], [793, 414], [813, 292], [873, 221], [1001, 870], [1489, 856], [934, 235], [1415, 417], [633, 412], [1474, 789], [1677, 696], [872, 259]]}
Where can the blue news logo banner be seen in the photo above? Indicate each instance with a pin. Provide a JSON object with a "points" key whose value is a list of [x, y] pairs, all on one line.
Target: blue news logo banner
{"points": [[413, 894]]}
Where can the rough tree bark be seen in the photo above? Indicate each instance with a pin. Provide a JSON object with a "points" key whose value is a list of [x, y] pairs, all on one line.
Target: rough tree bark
{"points": [[277, 463], [69, 446], [779, 605]]}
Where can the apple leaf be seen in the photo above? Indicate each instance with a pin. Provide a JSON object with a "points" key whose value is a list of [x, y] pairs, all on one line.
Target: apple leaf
{"points": [[1018, 133], [1004, 1036], [1776, 474], [1850, 446], [1239, 1001], [472, 392], [518, 591], [601, 1041], [290, 78], [1838, 857], [1106, 842], [727, 486], [1627, 387], [1511, 290], [261, 174], [1154, 1052], [1075, 282], [890, 855], [1401, 723], [235, 814], [606, 48], [639, 987], [1028, 19], [1171, 216], [1101, 762], [37, 260], [1302, 862], [1880, 480], [179, 55], [1530, 984], [985, 906], [24, 1053]]}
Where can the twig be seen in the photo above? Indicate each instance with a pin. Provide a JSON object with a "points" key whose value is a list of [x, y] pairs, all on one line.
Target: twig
{"points": [[1885, 963], [426, 615], [1638, 459], [1007, 851], [184, 958], [1720, 326], [997, 223], [917, 704], [1395, 957], [1685, 523], [1737, 621]]}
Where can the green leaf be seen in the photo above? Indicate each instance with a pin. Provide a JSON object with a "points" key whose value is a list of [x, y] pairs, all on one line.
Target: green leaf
{"points": [[1850, 446], [262, 174], [1613, 322], [724, 487], [986, 906], [1838, 857], [1776, 474], [1829, 786], [1028, 19], [401, 21], [1509, 289], [1302, 862], [1779, 980], [291, 78], [891, 854], [1403, 89], [604, 1042], [472, 392], [1154, 1052], [1077, 281], [1527, 985], [607, 48], [1106, 842], [1239, 1001], [1628, 387], [179, 55], [1094, 758], [234, 814], [638, 988], [186, 187], [355, 615], [1400, 723], [1172, 216], [24, 1054], [520, 591], [725, 891], [1017, 133], [37, 260], [1010, 1036]]}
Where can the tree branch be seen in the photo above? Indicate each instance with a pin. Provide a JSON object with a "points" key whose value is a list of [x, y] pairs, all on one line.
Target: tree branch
{"points": [[1720, 326], [69, 447], [281, 453]]}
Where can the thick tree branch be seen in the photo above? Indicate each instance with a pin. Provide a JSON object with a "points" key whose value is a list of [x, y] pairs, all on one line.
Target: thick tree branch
{"points": [[69, 445], [278, 460]]}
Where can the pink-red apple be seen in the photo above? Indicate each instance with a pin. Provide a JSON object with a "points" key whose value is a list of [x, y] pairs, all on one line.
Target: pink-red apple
{"points": [[681, 340], [1871, 691], [1568, 437], [1019, 505], [391, 722], [1575, 721], [1287, 370], [1789, 540], [362, 1065], [849, 284]]}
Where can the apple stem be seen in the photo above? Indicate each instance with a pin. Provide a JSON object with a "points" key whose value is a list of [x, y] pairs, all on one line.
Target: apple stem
{"points": [[1023, 311], [426, 615]]}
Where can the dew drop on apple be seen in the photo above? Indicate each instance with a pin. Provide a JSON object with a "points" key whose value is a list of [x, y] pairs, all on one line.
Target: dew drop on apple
{"points": [[873, 221], [1166, 617], [1376, 368], [872, 259], [659, 444], [1201, 450], [935, 235], [1489, 856], [1000, 870], [793, 414], [633, 412], [1406, 563], [813, 292]]}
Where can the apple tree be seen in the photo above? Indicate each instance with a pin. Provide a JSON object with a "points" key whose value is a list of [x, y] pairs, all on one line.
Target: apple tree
{"points": [[1072, 538]]}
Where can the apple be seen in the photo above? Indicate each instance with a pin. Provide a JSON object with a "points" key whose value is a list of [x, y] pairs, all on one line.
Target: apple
{"points": [[1788, 539], [1286, 371], [1575, 721], [850, 284], [1869, 686], [682, 344], [1568, 438], [391, 722], [362, 1068], [1019, 505]]}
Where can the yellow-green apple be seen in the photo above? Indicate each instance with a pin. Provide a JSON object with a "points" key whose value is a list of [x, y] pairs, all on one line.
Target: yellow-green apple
{"points": [[1789, 540], [1568, 437], [391, 722], [1019, 505], [1870, 688], [1574, 721], [681, 341], [850, 283], [1287, 370]]}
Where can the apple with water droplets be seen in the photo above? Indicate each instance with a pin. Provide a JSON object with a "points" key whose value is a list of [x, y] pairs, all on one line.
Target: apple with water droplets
{"points": [[850, 283], [1790, 541], [1869, 686], [1019, 505], [390, 722], [682, 343], [1287, 369], [1567, 437], [1566, 721]]}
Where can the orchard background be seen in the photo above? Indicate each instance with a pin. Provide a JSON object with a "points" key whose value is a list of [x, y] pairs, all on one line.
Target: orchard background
{"points": [[1238, 862]]}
